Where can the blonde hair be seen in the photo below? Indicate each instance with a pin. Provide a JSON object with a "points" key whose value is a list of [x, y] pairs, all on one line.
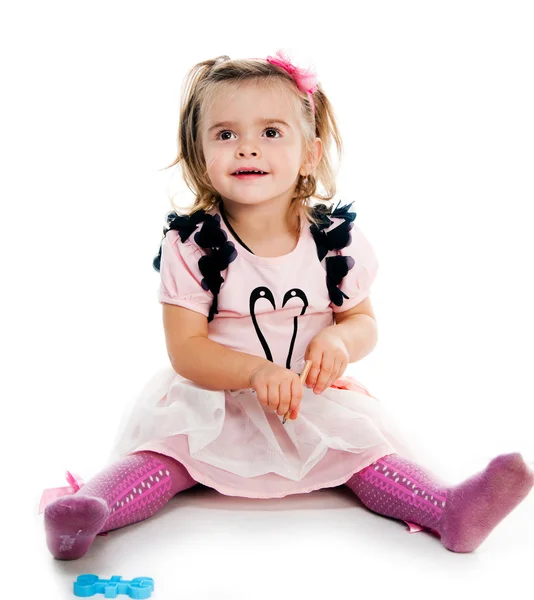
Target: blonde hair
{"points": [[200, 88]]}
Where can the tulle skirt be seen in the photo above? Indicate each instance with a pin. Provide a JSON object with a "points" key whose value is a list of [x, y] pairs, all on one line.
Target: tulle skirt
{"points": [[228, 441]]}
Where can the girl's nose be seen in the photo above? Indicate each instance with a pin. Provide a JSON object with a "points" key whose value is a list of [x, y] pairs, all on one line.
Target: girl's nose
{"points": [[247, 147]]}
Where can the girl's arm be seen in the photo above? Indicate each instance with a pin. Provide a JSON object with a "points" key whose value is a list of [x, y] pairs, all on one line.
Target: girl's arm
{"points": [[201, 360], [352, 338], [358, 330]]}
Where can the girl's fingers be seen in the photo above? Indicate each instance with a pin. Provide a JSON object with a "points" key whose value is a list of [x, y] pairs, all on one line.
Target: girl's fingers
{"points": [[296, 397], [273, 395], [332, 377], [314, 370], [262, 394], [326, 372], [285, 397], [335, 375]]}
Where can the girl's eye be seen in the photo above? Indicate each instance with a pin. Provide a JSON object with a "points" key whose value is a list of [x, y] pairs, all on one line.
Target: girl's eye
{"points": [[221, 132], [225, 131], [274, 129]]}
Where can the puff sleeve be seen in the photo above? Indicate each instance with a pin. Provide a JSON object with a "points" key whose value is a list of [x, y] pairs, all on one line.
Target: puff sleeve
{"points": [[180, 276], [358, 281]]}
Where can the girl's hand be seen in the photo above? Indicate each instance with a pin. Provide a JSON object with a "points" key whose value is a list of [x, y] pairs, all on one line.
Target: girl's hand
{"points": [[277, 388], [329, 357]]}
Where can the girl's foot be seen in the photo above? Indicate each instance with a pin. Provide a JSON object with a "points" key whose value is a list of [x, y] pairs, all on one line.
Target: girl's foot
{"points": [[462, 515], [478, 504], [128, 491], [72, 523]]}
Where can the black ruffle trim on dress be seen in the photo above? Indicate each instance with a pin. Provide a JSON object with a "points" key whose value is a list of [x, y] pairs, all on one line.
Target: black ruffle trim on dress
{"points": [[219, 251], [335, 239]]}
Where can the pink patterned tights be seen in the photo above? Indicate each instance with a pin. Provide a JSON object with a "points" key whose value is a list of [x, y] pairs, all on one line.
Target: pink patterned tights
{"points": [[126, 492], [137, 486], [461, 515]]}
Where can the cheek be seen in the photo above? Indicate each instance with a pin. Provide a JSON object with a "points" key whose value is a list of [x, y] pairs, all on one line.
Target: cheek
{"points": [[288, 163], [213, 162], [288, 156]]}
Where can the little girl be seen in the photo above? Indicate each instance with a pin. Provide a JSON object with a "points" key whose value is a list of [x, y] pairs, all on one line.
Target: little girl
{"points": [[257, 281]]}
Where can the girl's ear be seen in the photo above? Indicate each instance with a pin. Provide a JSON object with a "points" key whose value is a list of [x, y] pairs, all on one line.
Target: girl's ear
{"points": [[313, 158]]}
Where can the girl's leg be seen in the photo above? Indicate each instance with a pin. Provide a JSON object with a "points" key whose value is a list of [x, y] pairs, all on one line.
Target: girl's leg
{"points": [[126, 492], [462, 515]]}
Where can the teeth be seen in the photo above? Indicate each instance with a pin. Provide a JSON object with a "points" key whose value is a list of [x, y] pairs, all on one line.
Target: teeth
{"points": [[245, 172]]}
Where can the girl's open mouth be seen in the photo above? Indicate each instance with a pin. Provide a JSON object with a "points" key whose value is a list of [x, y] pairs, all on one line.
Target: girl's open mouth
{"points": [[249, 175], [249, 172]]}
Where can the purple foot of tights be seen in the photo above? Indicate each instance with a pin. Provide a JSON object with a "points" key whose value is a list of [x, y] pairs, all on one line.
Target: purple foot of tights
{"points": [[126, 492], [462, 515]]}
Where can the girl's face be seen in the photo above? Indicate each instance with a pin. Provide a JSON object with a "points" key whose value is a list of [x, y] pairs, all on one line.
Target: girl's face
{"points": [[251, 126]]}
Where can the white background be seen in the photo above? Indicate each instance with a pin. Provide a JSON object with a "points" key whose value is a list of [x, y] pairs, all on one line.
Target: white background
{"points": [[434, 101]]}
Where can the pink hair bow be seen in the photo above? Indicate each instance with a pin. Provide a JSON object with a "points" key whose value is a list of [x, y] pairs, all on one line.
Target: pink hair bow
{"points": [[306, 79]]}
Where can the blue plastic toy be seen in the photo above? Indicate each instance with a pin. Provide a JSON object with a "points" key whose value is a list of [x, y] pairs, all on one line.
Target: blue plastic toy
{"points": [[89, 585]]}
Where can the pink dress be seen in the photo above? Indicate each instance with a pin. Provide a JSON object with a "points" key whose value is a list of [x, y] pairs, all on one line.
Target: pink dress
{"points": [[269, 307]]}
